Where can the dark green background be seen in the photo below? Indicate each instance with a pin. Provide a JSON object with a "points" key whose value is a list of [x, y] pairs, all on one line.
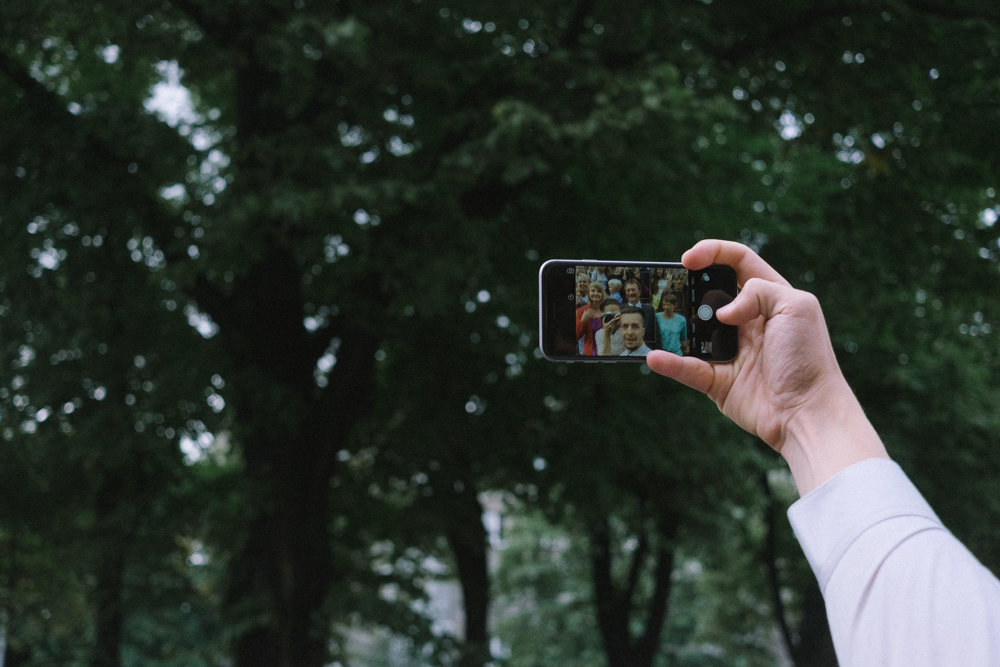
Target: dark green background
{"points": [[359, 202]]}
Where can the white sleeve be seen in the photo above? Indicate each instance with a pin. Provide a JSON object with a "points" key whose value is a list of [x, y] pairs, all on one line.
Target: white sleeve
{"points": [[899, 588]]}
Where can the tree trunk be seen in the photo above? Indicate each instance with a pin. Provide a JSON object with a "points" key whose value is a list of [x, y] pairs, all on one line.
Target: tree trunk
{"points": [[108, 608], [815, 646], [617, 603], [283, 574], [290, 431], [115, 516], [467, 539]]}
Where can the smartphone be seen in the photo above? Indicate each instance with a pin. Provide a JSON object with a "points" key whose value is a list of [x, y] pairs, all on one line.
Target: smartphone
{"points": [[602, 311]]}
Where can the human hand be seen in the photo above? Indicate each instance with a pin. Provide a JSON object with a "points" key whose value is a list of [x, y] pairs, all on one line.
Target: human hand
{"points": [[785, 385]]}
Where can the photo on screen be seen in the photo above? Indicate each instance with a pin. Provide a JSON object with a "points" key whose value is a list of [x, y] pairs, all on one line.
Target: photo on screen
{"points": [[631, 310]]}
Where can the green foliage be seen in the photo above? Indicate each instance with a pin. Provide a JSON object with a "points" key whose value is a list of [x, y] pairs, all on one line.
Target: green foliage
{"points": [[543, 597]]}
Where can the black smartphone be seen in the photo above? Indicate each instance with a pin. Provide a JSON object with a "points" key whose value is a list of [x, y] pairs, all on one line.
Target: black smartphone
{"points": [[597, 310]]}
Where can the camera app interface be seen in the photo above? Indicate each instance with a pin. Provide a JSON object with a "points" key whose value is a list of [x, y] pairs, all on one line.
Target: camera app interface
{"points": [[630, 310]]}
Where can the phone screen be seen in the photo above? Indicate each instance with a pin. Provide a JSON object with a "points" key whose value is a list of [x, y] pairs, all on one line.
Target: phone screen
{"points": [[592, 310]]}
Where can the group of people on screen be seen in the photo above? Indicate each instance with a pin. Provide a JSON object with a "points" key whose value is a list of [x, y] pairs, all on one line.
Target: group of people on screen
{"points": [[629, 311]]}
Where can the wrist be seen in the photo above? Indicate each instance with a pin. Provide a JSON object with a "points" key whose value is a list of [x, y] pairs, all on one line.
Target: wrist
{"points": [[819, 443]]}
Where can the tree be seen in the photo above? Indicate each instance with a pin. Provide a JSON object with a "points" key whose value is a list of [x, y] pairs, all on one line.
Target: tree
{"points": [[95, 391]]}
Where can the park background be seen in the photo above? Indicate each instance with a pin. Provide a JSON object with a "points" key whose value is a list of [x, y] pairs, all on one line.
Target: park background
{"points": [[269, 388]]}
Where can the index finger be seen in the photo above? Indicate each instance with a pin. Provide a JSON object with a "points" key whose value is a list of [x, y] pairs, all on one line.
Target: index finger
{"points": [[747, 263]]}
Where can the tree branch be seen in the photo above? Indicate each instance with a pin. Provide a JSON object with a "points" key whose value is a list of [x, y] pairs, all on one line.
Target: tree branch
{"points": [[649, 643], [635, 569]]}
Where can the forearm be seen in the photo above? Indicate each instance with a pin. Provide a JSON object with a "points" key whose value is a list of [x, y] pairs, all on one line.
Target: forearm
{"points": [[823, 440]]}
